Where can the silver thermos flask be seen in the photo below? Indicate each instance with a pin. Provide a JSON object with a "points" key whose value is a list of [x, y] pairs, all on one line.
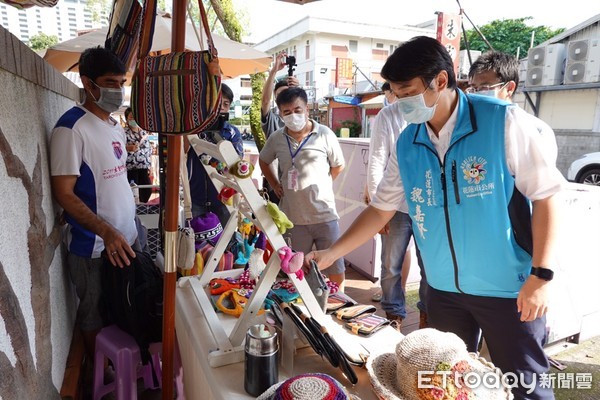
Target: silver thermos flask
{"points": [[260, 366]]}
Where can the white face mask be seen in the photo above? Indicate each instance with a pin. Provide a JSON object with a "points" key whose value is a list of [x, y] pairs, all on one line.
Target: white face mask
{"points": [[295, 122], [110, 99], [414, 109], [489, 93]]}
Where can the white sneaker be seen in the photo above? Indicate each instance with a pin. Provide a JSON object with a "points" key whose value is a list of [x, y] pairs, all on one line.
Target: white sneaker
{"points": [[377, 296]]}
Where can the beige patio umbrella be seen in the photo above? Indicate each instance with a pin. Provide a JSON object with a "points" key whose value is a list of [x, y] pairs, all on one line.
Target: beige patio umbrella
{"points": [[235, 58]]}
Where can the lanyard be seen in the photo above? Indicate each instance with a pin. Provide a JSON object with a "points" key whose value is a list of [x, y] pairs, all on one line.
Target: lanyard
{"points": [[293, 155]]}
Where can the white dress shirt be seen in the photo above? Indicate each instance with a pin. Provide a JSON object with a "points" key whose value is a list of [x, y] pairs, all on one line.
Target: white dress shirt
{"points": [[388, 124], [530, 155]]}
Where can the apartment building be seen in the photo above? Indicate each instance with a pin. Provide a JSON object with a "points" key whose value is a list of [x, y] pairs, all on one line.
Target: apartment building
{"points": [[63, 20]]}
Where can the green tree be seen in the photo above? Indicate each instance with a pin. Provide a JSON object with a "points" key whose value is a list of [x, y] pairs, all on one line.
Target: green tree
{"points": [[508, 35], [100, 10], [42, 41]]}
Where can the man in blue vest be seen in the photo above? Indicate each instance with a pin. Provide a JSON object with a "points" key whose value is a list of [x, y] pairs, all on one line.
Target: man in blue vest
{"points": [[479, 182]]}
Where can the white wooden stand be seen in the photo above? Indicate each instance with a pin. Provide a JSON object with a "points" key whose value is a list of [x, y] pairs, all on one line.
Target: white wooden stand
{"points": [[252, 206]]}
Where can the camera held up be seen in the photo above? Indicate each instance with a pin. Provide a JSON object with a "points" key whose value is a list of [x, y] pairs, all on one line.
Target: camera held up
{"points": [[290, 61]]}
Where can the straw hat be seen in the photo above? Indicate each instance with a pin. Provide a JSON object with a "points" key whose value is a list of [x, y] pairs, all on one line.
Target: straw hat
{"points": [[307, 387], [429, 364]]}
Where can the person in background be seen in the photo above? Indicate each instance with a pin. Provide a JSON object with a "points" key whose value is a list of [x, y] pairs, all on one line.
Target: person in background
{"points": [[270, 117], [396, 234], [203, 193], [310, 158], [480, 184], [496, 74], [89, 181], [139, 152]]}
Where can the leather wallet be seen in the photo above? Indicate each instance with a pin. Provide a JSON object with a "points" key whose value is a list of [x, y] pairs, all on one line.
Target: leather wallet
{"points": [[348, 313], [338, 301], [366, 324]]}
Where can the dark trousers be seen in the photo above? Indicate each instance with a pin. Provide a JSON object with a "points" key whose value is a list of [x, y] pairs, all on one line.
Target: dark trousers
{"points": [[515, 346], [141, 177]]}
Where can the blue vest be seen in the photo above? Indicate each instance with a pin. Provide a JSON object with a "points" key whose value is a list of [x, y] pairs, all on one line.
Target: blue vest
{"points": [[471, 224]]}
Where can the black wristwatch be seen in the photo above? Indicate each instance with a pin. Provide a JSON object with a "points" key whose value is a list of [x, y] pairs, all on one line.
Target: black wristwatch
{"points": [[542, 273]]}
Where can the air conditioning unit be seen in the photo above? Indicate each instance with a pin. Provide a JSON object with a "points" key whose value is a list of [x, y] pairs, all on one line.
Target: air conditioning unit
{"points": [[522, 71], [583, 61], [545, 65]]}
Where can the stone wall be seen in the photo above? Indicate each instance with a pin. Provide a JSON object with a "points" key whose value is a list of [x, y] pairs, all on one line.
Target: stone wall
{"points": [[572, 145], [37, 309]]}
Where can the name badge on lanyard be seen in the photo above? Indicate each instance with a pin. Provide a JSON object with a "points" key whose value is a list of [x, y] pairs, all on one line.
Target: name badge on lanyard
{"points": [[292, 175]]}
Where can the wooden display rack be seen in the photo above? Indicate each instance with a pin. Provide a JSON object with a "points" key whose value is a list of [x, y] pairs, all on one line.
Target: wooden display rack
{"points": [[250, 204]]}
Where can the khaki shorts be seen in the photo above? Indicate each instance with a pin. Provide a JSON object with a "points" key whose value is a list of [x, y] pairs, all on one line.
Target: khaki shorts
{"points": [[318, 236]]}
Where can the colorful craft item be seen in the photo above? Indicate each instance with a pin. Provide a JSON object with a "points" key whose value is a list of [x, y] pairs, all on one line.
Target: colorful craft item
{"points": [[291, 262], [334, 287], [244, 255], [207, 227], [256, 264], [205, 159], [245, 227], [279, 217], [242, 169], [237, 301], [221, 167], [226, 195], [261, 242], [285, 294], [246, 282], [196, 269], [219, 285]]}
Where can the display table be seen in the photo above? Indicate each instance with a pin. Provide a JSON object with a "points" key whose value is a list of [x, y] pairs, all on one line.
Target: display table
{"points": [[201, 381]]}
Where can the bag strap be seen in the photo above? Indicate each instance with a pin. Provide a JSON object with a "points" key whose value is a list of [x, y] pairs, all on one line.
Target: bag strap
{"points": [[149, 20], [147, 28], [187, 200]]}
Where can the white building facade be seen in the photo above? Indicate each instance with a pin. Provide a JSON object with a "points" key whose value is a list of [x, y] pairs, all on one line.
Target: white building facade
{"points": [[63, 20], [317, 42]]}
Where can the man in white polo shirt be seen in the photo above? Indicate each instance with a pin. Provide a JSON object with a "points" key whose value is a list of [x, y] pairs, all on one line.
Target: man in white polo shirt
{"points": [[89, 181]]}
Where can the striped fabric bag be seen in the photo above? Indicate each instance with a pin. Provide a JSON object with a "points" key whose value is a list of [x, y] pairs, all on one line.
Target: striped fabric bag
{"points": [[175, 93], [123, 33]]}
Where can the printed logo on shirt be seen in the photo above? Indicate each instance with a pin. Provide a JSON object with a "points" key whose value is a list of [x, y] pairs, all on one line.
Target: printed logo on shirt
{"points": [[474, 169], [475, 173], [117, 149]]}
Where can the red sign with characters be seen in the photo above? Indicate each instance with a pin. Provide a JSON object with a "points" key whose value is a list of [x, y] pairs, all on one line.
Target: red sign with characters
{"points": [[343, 72], [448, 34]]}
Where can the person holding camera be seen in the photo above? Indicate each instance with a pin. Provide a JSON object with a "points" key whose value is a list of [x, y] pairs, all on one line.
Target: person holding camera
{"points": [[270, 118], [202, 192]]}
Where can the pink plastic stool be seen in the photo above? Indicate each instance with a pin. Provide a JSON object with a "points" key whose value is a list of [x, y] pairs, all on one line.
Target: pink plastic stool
{"points": [[123, 351]]}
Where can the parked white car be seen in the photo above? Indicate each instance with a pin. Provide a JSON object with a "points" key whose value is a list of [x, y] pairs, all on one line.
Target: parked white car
{"points": [[585, 169]]}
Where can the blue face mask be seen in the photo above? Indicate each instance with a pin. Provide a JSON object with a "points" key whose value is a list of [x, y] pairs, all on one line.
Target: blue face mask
{"points": [[414, 109], [110, 99]]}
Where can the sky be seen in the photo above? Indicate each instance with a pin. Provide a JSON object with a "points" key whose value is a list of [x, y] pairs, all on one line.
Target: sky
{"points": [[267, 17]]}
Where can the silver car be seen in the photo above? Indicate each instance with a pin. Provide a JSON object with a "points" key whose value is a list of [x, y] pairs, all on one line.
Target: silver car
{"points": [[585, 169]]}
